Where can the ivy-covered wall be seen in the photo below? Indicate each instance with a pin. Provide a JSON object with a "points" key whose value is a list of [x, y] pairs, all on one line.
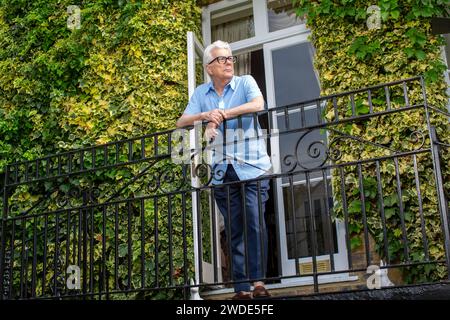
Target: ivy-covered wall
{"points": [[349, 56], [121, 74]]}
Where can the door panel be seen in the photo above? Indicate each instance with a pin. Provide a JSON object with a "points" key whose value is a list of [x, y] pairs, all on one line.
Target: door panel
{"points": [[291, 78], [294, 78]]}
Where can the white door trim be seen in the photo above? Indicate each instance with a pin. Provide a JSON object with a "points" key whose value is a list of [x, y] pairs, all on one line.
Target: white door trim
{"points": [[195, 47]]}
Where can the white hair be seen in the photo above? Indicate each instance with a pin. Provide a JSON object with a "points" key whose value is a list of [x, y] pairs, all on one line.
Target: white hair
{"points": [[219, 44]]}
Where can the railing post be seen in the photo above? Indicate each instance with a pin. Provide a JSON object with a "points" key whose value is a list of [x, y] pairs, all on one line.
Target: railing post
{"points": [[442, 201], [442, 204], [3, 291]]}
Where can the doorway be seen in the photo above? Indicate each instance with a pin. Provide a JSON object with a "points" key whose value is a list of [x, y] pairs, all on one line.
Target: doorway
{"points": [[304, 200], [252, 62], [271, 44]]}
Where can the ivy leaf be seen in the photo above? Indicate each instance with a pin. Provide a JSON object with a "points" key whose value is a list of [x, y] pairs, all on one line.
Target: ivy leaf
{"points": [[362, 109], [355, 242], [409, 52], [123, 250], [354, 206], [435, 71], [420, 54], [395, 14], [361, 14], [361, 55], [326, 6], [408, 216], [416, 37], [384, 15], [363, 48], [389, 201], [397, 232], [389, 212]]}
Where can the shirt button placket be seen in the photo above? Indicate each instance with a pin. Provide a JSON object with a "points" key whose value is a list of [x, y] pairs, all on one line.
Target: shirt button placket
{"points": [[221, 104]]}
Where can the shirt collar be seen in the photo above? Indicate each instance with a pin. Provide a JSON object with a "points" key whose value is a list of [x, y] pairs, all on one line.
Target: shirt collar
{"points": [[232, 85]]}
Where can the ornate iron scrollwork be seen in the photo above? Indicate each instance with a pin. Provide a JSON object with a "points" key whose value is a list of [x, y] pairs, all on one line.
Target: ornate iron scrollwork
{"points": [[417, 136], [314, 151], [206, 173], [318, 152], [6, 273], [77, 196], [58, 281], [166, 181]]}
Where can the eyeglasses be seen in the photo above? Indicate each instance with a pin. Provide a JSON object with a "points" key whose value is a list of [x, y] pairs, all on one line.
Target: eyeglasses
{"points": [[223, 59]]}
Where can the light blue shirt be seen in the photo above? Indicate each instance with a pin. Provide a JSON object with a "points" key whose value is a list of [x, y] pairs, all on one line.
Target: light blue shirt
{"points": [[248, 157]]}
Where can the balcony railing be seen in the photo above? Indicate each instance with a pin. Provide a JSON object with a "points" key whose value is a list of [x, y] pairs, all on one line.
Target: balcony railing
{"points": [[137, 218]]}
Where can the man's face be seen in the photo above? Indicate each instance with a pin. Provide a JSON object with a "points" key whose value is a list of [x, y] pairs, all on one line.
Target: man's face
{"points": [[218, 70]]}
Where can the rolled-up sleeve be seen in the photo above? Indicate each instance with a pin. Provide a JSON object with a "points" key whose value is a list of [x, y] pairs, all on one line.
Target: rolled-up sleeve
{"points": [[251, 88], [193, 106]]}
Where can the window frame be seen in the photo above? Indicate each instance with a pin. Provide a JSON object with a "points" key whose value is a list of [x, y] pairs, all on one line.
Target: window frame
{"points": [[261, 21]]}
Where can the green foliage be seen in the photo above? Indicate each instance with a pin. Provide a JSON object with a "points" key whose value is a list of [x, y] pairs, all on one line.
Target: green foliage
{"points": [[362, 49], [122, 74], [389, 9], [355, 10], [418, 41], [350, 56]]}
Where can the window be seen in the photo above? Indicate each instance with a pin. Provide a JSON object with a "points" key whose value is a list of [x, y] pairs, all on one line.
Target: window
{"points": [[234, 24], [298, 231], [281, 15], [249, 24]]}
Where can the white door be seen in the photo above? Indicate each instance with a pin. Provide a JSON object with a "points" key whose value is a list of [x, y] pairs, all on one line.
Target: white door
{"points": [[208, 227], [302, 199]]}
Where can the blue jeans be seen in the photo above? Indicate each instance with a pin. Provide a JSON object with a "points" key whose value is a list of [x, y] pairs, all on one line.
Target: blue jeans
{"points": [[256, 226]]}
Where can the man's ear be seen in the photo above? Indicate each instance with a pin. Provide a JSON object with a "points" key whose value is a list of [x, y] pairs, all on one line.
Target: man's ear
{"points": [[208, 70]]}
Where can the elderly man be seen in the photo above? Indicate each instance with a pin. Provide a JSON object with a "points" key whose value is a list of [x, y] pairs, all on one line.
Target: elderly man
{"points": [[225, 98]]}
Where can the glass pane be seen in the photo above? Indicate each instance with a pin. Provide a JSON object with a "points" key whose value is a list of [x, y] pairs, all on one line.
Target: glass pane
{"points": [[298, 233], [252, 63], [234, 24], [243, 64], [281, 15], [295, 79], [199, 70]]}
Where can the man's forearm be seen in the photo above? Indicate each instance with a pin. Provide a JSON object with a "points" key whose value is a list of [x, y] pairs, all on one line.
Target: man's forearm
{"points": [[255, 105], [215, 116], [188, 120]]}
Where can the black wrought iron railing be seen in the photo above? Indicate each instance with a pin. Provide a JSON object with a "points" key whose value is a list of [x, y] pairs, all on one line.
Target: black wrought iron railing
{"points": [[356, 178]]}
